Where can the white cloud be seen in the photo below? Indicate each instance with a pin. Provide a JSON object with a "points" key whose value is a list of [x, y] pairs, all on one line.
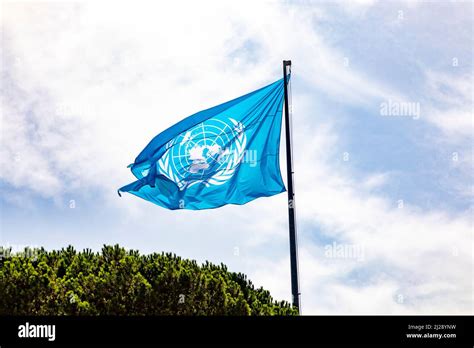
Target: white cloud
{"points": [[451, 103], [414, 261], [375, 180]]}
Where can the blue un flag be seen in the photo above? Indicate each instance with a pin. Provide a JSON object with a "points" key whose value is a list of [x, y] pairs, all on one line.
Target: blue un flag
{"points": [[228, 154]]}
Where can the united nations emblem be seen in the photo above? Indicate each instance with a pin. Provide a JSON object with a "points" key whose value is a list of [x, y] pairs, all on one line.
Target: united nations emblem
{"points": [[209, 153]]}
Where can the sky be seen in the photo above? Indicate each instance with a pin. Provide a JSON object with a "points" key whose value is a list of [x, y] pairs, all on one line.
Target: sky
{"points": [[381, 101]]}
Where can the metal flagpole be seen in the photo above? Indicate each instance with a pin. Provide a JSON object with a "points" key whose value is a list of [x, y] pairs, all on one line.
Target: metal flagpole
{"points": [[291, 196]]}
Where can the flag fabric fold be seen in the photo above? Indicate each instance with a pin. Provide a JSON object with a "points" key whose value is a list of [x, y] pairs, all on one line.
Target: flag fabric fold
{"points": [[228, 154]]}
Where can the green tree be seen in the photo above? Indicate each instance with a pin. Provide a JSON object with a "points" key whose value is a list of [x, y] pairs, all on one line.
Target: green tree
{"points": [[120, 282]]}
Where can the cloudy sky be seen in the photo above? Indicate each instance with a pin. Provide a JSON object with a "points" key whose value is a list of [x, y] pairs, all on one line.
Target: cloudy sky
{"points": [[383, 197]]}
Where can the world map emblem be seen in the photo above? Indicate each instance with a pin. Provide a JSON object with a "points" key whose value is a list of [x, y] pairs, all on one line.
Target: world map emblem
{"points": [[208, 153]]}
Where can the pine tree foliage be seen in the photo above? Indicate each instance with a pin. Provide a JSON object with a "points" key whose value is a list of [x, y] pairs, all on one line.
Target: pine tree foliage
{"points": [[123, 282]]}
